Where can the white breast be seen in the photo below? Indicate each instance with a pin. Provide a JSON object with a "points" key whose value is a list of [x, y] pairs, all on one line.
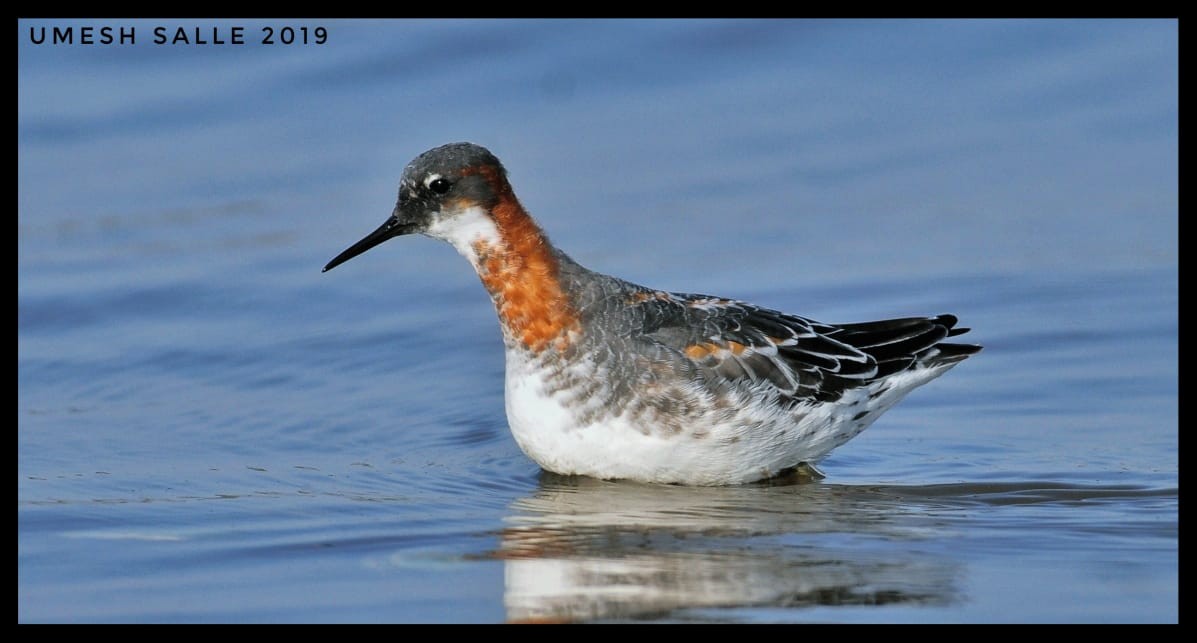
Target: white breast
{"points": [[752, 442]]}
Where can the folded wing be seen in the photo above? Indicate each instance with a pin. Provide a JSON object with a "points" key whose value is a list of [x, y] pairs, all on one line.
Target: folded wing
{"points": [[801, 358]]}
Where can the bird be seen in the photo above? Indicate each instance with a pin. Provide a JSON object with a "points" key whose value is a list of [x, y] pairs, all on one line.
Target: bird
{"points": [[609, 379]]}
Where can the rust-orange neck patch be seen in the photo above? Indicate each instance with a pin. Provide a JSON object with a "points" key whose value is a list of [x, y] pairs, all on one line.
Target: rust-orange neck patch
{"points": [[522, 275]]}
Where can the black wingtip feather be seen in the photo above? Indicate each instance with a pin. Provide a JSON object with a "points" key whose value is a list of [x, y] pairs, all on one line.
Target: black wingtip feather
{"points": [[963, 350], [942, 354], [898, 343]]}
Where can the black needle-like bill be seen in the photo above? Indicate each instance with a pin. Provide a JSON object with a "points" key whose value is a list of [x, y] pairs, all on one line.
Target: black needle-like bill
{"points": [[391, 228]]}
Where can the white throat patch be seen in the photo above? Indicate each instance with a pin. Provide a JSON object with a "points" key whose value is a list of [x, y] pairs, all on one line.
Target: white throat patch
{"points": [[463, 228]]}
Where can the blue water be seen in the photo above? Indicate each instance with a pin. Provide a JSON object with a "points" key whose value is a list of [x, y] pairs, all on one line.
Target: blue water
{"points": [[209, 429]]}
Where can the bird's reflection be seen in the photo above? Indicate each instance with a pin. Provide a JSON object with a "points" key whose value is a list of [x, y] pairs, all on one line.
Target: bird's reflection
{"points": [[580, 549]]}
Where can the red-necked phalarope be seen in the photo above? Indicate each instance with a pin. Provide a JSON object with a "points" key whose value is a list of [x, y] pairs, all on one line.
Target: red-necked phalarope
{"points": [[609, 379]]}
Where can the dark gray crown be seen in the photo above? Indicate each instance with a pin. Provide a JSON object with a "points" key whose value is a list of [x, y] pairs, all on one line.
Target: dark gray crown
{"points": [[450, 160]]}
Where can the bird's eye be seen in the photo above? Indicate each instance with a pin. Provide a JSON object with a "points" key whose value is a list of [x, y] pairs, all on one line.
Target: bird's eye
{"points": [[440, 186]]}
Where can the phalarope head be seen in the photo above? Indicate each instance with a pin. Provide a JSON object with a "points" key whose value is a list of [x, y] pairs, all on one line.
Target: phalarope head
{"points": [[459, 193], [450, 192]]}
